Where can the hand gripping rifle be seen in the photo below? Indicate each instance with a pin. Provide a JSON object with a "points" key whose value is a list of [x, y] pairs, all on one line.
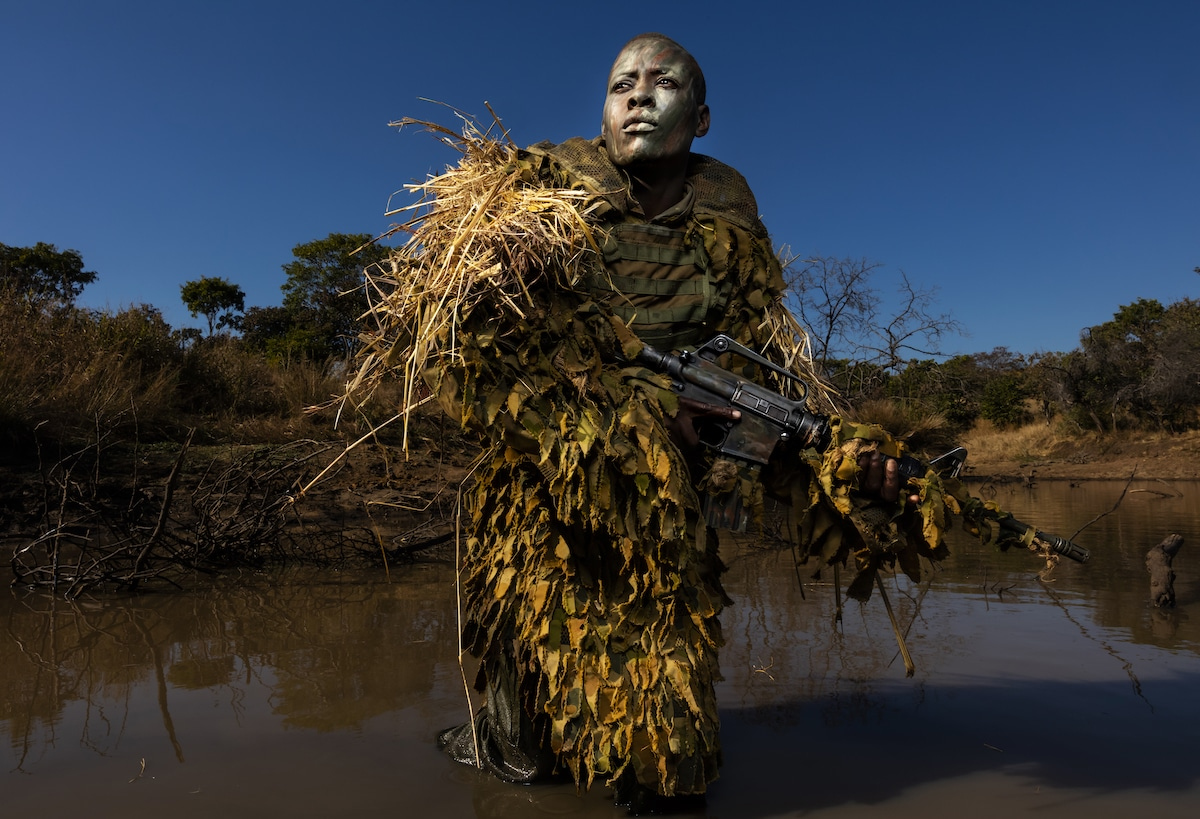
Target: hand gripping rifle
{"points": [[769, 419]]}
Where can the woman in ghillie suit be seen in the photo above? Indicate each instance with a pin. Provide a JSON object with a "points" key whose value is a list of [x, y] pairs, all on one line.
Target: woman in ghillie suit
{"points": [[591, 585], [592, 589]]}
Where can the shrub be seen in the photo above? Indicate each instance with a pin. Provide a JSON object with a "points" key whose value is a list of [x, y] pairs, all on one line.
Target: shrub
{"points": [[69, 373]]}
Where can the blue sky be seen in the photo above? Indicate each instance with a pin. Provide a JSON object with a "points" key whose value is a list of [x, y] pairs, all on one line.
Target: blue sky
{"points": [[1038, 163]]}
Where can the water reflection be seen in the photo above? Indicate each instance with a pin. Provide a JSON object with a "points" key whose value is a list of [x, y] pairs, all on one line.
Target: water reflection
{"points": [[331, 653], [319, 694]]}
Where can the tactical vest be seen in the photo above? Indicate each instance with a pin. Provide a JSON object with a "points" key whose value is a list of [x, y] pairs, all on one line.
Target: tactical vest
{"points": [[659, 277], [660, 285]]}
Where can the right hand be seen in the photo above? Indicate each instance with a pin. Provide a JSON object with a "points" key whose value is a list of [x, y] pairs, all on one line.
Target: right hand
{"points": [[682, 425], [880, 478]]}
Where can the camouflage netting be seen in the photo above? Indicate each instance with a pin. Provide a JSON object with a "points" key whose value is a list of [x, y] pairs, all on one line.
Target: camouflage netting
{"points": [[585, 557]]}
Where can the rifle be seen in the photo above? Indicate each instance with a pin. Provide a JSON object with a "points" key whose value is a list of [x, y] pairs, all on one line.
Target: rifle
{"points": [[769, 419]]}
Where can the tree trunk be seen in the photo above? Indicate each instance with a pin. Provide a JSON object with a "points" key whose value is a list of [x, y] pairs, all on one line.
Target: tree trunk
{"points": [[1162, 577]]}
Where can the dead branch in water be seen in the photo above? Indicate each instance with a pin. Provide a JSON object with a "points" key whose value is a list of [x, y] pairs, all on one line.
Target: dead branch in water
{"points": [[95, 530]]}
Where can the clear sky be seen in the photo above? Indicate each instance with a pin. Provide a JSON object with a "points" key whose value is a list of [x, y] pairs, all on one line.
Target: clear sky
{"points": [[1035, 161]]}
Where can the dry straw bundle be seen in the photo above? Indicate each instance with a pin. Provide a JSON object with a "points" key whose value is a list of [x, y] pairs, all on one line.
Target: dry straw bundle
{"points": [[476, 234]]}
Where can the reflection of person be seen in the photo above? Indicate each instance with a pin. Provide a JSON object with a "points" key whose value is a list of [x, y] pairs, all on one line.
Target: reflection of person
{"points": [[592, 585]]}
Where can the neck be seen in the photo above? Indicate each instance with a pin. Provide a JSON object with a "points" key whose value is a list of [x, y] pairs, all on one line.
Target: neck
{"points": [[658, 187]]}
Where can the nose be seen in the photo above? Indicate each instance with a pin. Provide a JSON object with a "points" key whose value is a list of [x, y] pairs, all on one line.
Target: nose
{"points": [[641, 96]]}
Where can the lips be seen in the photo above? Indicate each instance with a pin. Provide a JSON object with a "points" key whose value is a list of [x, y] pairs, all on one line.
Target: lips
{"points": [[638, 126]]}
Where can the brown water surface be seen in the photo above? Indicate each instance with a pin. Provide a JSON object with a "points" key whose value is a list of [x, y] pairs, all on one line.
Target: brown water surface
{"points": [[313, 694]]}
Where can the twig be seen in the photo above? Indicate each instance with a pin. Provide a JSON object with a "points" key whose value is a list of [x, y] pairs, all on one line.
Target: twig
{"points": [[387, 572], [428, 543], [909, 667], [141, 772], [837, 593], [350, 448], [458, 567], [168, 493], [796, 566], [1110, 511], [1126, 665], [925, 587]]}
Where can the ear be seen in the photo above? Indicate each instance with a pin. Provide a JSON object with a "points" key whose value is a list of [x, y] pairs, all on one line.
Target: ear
{"points": [[702, 125]]}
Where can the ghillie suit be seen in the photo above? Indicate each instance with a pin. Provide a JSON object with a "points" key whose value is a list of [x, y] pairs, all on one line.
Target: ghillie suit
{"points": [[590, 584]]}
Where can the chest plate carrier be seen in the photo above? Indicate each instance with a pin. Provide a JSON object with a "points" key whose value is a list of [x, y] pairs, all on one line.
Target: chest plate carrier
{"points": [[660, 284]]}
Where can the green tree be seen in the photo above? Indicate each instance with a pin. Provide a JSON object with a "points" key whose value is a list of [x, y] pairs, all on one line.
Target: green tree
{"points": [[260, 326], [1116, 358], [1142, 367], [275, 332], [950, 388], [214, 298], [964, 388], [1172, 382], [1003, 400], [141, 334], [43, 273], [324, 289]]}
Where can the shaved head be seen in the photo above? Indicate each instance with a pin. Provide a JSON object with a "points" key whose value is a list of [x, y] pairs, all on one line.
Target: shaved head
{"points": [[655, 104]]}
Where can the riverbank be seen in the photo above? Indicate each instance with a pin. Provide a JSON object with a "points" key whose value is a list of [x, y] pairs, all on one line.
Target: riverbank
{"points": [[242, 506], [1044, 452]]}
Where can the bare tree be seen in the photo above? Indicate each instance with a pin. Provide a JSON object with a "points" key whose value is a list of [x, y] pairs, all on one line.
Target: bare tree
{"points": [[913, 331], [831, 297], [843, 313]]}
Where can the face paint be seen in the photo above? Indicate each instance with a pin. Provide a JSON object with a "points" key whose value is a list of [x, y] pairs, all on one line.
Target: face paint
{"points": [[650, 112]]}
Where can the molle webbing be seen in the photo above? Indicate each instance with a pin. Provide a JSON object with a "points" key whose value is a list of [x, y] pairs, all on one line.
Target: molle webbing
{"points": [[659, 284]]}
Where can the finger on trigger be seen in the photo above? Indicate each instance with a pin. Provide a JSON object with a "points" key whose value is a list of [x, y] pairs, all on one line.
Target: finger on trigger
{"points": [[874, 476], [890, 490]]}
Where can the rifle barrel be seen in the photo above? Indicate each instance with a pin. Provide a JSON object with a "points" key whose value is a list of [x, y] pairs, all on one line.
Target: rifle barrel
{"points": [[1056, 544]]}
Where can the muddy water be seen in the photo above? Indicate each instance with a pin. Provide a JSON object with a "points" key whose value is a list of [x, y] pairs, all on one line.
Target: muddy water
{"points": [[317, 695]]}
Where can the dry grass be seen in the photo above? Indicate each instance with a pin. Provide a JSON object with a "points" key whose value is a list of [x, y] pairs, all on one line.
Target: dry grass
{"points": [[792, 348], [479, 234], [901, 419], [1063, 451], [1032, 442], [60, 375], [69, 375], [475, 233]]}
